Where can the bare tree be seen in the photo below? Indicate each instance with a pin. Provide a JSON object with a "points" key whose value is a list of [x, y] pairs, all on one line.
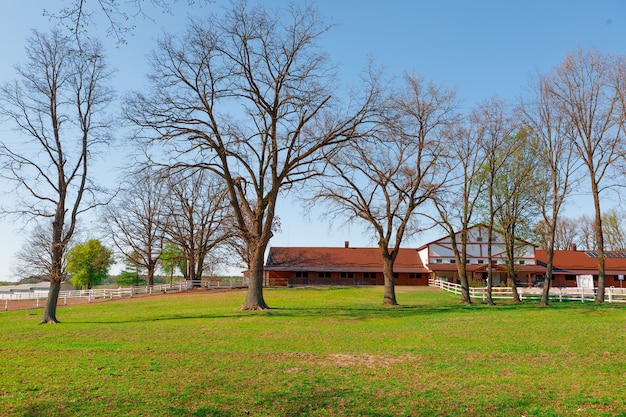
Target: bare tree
{"points": [[615, 235], [248, 96], [134, 221], [35, 256], [494, 128], [514, 198], [58, 107], [554, 155], [457, 201], [586, 227], [383, 181], [612, 230], [585, 90], [566, 234], [199, 218], [79, 15]]}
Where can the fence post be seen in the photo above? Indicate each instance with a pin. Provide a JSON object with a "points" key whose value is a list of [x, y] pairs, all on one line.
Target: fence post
{"points": [[610, 294], [560, 295], [6, 305]]}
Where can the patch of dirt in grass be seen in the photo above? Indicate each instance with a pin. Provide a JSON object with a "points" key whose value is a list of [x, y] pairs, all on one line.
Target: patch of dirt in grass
{"points": [[598, 407], [363, 360]]}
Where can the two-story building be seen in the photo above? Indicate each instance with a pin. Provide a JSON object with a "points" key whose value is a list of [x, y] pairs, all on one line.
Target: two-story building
{"points": [[414, 266]]}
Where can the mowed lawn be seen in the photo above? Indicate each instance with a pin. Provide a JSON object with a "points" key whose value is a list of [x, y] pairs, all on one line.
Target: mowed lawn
{"points": [[318, 352]]}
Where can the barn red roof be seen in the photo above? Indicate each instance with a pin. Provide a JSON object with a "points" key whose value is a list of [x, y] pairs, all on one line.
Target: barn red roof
{"points": [[579, 262], [339, 259]]}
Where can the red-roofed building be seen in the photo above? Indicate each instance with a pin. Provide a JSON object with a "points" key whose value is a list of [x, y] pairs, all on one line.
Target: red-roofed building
{"points": [[364, 266], [438, 257], [570, 265], [340, 265]]}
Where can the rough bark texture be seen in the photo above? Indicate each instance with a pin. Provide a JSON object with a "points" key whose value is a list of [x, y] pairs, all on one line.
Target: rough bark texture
{"points": [[50, 311], [254, 297], [389, 297], [600, 242], [461, 262], [547, 283], [489, 266]]}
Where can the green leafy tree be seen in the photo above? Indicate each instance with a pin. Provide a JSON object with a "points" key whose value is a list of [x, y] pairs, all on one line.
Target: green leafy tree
{"points": [[88, 263], [173, 257], [130, 276]]}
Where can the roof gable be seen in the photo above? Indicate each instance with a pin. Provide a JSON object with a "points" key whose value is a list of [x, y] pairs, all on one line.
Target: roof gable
{"points": [[476, 234]]}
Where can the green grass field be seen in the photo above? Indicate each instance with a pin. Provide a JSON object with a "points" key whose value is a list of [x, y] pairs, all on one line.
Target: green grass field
{"points": [[318, 352]]}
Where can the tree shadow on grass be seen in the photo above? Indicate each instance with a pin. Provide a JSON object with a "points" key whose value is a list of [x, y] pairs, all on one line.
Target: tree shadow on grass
{"points": [[42, 409], [200, 412], [360, 311]]}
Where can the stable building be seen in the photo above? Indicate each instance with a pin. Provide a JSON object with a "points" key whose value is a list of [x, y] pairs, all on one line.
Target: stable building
{"points": [[579, 268], [438, 257], [340, 266], [346, 265]]}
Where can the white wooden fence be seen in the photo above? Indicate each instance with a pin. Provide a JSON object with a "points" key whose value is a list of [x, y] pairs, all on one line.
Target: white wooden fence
{"points": [[40, 295], [216, 283], [612, 294]]}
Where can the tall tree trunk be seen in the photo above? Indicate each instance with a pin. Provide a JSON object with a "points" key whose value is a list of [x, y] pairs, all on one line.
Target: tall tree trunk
{"points": [[600, 243], [254, 297], [461, 260], [200, 268], [150, 271], [489, 265], [547, 282], [511, 265], [389, 297], [465, 291], [56, 263], [50, 312], [516, 298]]}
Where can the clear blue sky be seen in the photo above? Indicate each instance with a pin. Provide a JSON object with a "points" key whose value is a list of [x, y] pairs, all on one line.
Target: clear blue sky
{"points": [[482, 48]]}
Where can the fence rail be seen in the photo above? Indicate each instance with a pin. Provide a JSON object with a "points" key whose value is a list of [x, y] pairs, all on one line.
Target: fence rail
{"points": [[39, 296], [612, 294]]}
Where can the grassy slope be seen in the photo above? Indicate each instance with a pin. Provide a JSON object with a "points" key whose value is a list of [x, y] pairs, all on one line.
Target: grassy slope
{"points": [[327, 352]]}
